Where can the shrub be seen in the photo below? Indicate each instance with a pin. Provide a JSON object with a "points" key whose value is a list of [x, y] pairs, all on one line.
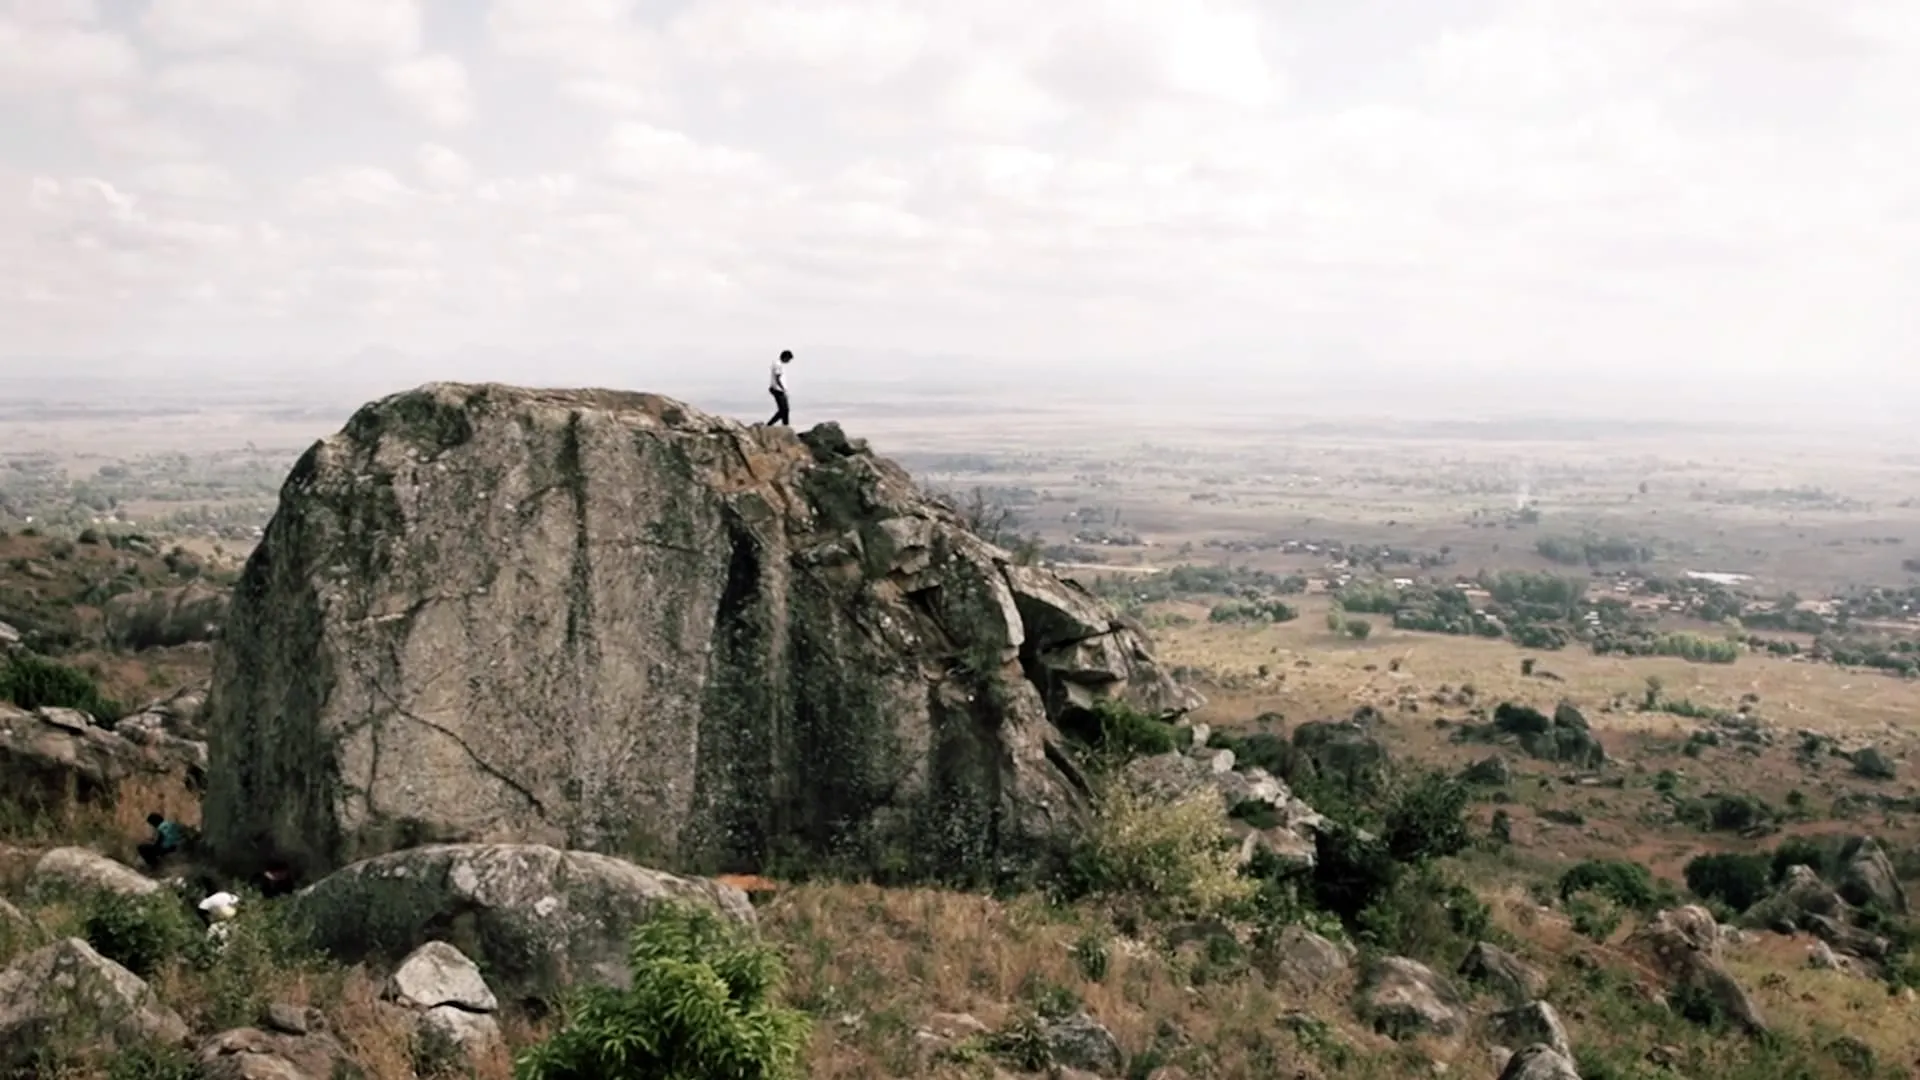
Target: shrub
{"points": [[699, 1005], [1739, 881], [1350, 872], [1112, 729], [1358, 629], [1428, 820], [1177, 855], [32, 682], [1261, 749], [1629, 885], [1426, 915], [140, 933]]}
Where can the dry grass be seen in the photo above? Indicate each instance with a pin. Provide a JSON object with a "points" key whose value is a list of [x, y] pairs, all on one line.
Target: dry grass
{"points": [[876, 963]]}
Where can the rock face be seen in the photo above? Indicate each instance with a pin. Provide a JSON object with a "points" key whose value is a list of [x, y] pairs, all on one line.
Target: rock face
{"points": [[57, 758], [256, 1054], [1539, 1062], [606, 621], [68, 990], [539, 919], [1868, 879], [1684, 945]]}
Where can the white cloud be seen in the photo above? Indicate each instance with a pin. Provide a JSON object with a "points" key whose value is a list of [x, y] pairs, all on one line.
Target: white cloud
{"points": [[433, 87], [864, 42], [440, 167], [51, 48], [344, 29], [1595, 181], [235, 86]]}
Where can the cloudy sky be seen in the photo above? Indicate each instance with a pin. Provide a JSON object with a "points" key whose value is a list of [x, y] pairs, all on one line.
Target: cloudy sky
{"points": [[1512, 193]]}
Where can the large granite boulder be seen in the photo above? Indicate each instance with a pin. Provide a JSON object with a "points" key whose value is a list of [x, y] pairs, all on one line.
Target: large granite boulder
{"points": [[68, 996], [606, 621], [540, 920]]}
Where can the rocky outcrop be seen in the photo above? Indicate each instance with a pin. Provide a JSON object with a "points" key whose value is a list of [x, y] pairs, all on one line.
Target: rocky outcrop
{"points": [[606, 621], [275, 1052], [1684, 945], [539, 919], [1534, 1023], [1506, 975], [67, 991], [453, 1000], [1081, 1042], [1869, 880], [1305, 960], [1405, 999], [57, 759], [160, 618], [1284, 825], [1540, 1062]]}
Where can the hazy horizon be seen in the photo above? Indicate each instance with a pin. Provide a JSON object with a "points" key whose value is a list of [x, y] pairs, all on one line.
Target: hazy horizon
{"points": [[1465, 209]]}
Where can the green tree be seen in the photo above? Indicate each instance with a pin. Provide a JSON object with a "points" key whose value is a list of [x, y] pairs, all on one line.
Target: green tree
{"points": [[699, 1008]]}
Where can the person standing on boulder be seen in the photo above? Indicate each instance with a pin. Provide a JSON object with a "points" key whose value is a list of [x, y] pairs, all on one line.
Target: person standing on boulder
{"points": [[777, 386]]}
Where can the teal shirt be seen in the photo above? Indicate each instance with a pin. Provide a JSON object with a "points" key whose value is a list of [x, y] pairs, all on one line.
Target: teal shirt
{"points": [[170, 835]]}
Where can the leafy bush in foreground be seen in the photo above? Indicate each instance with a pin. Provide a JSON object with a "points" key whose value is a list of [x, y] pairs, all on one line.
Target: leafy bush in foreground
{"points": [[699, 1008]]}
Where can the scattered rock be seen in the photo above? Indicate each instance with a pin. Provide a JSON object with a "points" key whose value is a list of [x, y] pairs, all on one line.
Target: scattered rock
{"points": [[586, 617], [293, 1019], [68, 982], [9, 637], [1403, 999], [541, 919], [1307, 960], [166, 617], [1080, 1042], [472, 1033], [15, 927], [942, 1031], [1491, 771], [1850, 940], [253, 1054], [438, 974], [1820, 957], [71, 869], [1684, 945], [1534, 1022], [1510, 978], [1868, 879], [1539, 1063], [1870, 763]]}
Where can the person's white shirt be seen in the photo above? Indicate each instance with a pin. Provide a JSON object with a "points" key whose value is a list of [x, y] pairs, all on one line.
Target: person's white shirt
{"points": [[777, 380]]}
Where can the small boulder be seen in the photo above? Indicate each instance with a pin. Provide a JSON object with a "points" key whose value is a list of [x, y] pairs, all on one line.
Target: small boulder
{"points": [[15, 928], [1848, 939], [472, 1033], [71, 869], [1081, 1042], [1507, 976], [542, 920], [253, 1054], [1869, 880], [1493, 771], [69, 982], [1539, 1063], [1307, 960], [1534, 1022], [438, 974], [1404, 998]]}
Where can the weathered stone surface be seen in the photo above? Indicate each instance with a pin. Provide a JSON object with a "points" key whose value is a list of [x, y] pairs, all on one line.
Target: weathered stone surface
{"points": [[1510, 978], [253, 1054], [1536, 1022], [81, 870], [150, 618], [1869, 879], [1684, 945], [438, 974], [540, 919], [604, 620], [182, 713], [1307, 960], [1539, 1063], [1404, 998], [1081, 1042], [16, 929], [67, 990], [473, 1033], [59, 759]]}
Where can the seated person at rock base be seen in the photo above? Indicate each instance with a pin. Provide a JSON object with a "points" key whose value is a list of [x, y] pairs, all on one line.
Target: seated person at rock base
{"points": [[169, 837]]}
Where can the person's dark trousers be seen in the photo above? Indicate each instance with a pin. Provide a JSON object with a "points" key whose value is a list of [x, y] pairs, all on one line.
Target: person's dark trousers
{"points": [[152, 854], [780, 408]]}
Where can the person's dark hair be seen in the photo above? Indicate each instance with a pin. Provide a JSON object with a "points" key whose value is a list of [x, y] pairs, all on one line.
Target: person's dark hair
{"points": [[156, 820], [786, 354]]}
